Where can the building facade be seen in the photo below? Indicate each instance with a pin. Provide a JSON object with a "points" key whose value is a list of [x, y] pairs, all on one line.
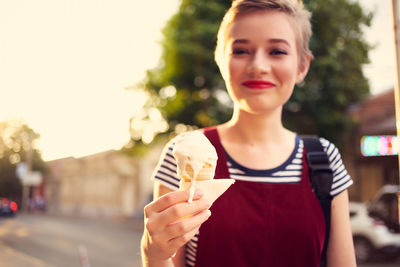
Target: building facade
{"points": [[369, 147], [106, 184]]}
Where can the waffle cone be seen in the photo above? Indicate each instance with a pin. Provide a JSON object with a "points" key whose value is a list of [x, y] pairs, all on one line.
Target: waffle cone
{"points": [[212, 189]]}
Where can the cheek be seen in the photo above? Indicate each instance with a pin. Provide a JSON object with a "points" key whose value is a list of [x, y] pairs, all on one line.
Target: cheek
{"points": [[232, 76], [235, 69], [289, 72]]}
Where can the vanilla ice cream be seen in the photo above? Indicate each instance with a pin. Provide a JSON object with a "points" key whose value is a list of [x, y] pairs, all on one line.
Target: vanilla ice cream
{"points": [[196, 157], [196, 162]]}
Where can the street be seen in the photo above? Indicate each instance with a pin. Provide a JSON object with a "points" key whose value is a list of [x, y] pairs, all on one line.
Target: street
{"points": [[381, 261], [46, 241], [51, 241]]}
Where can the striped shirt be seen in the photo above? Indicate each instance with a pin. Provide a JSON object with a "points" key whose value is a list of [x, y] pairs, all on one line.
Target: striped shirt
{"points": [[289, 172]]}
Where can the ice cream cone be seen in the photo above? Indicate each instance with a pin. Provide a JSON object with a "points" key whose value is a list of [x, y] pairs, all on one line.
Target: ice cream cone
{"points": [[212, 189], [196, 161]]}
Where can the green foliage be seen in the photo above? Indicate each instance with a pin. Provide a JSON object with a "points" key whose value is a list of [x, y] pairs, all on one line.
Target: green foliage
{"points": [[317, 106], [335, 80], [188, 64], [16, 145]]}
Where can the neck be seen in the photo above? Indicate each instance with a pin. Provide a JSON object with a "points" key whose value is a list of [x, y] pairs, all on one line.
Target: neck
{"points": [[256, 128]]}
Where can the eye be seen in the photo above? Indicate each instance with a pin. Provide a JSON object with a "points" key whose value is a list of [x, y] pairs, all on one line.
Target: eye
{"points": [[278, 52], [240, 51]]}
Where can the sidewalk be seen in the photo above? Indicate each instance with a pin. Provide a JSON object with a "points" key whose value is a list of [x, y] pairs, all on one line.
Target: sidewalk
{"points": [[11, 257]]}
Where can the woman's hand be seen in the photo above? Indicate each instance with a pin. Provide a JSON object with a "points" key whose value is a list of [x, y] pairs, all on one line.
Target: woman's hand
{"points": [[170, 222]]}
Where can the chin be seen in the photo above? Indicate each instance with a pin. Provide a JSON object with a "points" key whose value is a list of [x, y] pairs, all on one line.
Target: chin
{"points": [[262, 108], [261, 111]]}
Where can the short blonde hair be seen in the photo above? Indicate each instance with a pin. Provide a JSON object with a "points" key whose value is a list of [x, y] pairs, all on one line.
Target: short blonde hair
{"points": [[293, 8]]}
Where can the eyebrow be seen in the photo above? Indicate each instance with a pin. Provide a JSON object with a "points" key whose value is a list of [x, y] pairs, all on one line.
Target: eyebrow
{"points": [[274, 41]]}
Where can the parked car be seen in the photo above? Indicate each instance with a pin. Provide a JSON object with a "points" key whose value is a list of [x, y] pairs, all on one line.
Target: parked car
{"points": [[385, 206], [371, 235], [7, 207]]}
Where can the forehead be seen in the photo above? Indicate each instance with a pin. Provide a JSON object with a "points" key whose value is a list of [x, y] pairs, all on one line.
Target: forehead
{"points": [[263, 26]]}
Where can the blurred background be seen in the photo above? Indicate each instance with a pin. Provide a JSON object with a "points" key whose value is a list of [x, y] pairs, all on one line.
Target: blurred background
{"points": [[91, 91]]}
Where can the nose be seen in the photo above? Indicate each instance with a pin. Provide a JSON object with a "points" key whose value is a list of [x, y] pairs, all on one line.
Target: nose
{"points": [[259, 63]]}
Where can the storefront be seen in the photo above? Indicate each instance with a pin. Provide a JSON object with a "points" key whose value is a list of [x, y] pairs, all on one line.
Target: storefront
{"points": [[372, 147]]}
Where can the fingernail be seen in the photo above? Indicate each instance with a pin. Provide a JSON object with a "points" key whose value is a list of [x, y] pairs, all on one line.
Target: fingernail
{"points": [[208, 213]]}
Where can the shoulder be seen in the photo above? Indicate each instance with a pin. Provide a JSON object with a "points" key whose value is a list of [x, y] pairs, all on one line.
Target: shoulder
{"points": [[341, 178], [328, 146], [333, 154], [165, 171]]}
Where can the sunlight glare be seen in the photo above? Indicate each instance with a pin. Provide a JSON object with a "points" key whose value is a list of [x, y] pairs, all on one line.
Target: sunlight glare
{"points": [[65, 66]]}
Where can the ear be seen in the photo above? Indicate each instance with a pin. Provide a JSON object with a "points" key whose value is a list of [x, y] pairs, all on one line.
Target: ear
{"points": [[303, 69]]}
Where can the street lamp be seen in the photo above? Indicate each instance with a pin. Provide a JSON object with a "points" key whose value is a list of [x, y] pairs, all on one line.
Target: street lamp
{"points": [[396, 24]]}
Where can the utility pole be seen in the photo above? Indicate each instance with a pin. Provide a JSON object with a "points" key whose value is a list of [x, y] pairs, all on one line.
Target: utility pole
{"points": [[396, 24]]}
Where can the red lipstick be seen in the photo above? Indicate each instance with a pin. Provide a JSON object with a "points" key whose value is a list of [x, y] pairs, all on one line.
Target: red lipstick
{"points": [[258, 84]]}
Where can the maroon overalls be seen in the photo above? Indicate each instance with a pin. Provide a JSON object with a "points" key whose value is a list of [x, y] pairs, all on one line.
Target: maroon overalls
{"points": [[261, 224]]}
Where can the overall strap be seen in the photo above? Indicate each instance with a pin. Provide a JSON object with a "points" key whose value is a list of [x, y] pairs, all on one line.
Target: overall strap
{"points": [[221, 170], [321, 178]]}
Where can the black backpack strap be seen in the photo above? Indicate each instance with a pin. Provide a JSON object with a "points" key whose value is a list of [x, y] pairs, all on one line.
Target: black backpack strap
{"points": [[321, 178]]}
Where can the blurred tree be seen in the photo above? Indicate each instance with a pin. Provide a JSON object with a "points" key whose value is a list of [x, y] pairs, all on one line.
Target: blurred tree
{"points": [[17, 144], [188, 65], [189, 90], [335, 80]]}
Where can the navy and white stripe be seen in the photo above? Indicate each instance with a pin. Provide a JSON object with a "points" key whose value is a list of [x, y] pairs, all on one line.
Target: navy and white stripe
{"points": [[190, 249], [341, 178], [165, 172], [289, 172]]}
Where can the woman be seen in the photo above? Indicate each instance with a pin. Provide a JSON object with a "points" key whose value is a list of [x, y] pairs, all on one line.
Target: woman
{"points": [[270, 216]]}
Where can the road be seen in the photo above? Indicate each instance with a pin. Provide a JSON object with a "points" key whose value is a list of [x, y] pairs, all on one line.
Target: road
{"points": [[381, 262], [48, 241]]}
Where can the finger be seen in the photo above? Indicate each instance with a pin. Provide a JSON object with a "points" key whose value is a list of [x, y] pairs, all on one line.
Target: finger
{"points": [[181, 231], [187, 225], [168, 200], [157, 223], [183, 237], [182, 210]]}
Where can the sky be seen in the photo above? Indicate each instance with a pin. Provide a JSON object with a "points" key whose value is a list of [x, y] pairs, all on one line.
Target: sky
{"points": [[65, 66], [381, 71]]}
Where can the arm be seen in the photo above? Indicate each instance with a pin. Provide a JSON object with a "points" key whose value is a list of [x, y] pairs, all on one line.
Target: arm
{"points": [[340, 248], [165, 232]]}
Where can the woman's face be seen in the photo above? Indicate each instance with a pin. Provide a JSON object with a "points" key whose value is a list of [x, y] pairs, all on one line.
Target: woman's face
{"points": [[261, 61]]}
